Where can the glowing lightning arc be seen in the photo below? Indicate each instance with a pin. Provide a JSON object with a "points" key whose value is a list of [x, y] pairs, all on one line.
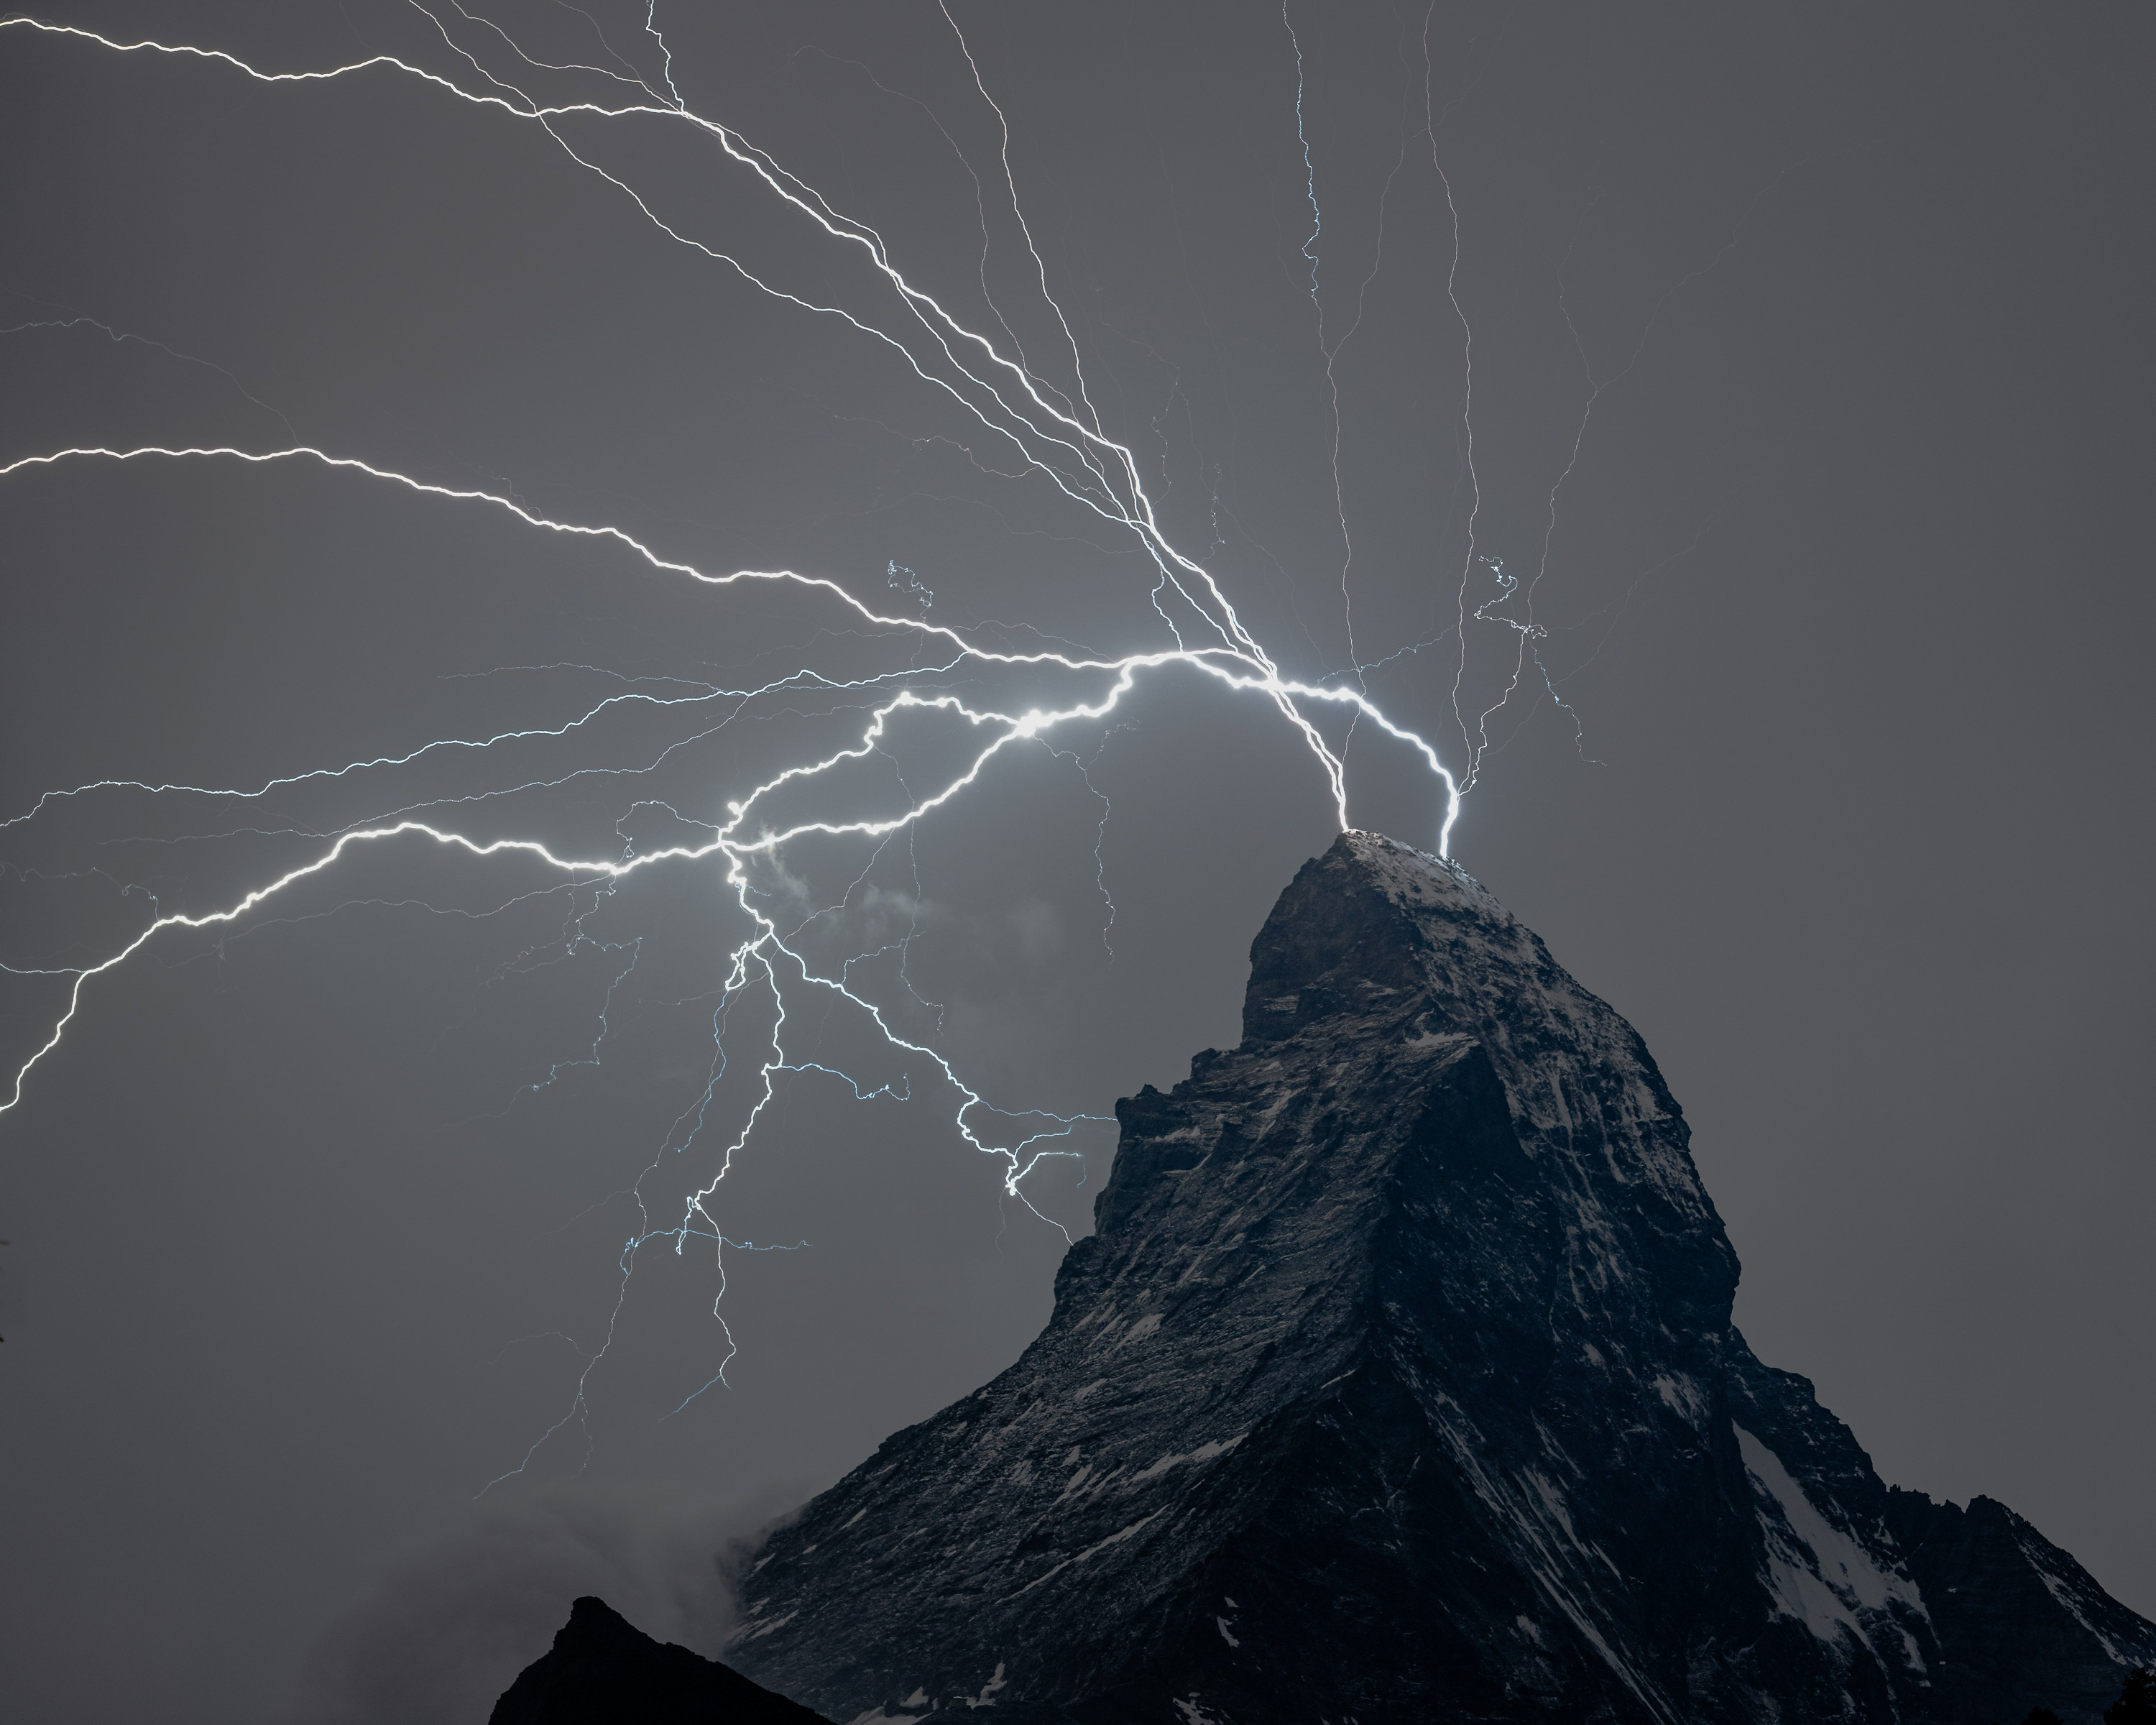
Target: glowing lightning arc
{"points": [[1059, 435]]}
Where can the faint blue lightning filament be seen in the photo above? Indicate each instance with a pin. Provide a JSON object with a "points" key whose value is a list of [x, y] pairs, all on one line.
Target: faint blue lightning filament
{"points": [[1309, 167]]}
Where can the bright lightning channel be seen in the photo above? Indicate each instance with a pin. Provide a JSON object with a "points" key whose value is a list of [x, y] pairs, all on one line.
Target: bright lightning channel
{"points": [[1057, 435]]}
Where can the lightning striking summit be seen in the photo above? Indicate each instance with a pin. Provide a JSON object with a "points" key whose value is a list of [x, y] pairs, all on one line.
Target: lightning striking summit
{"points": [[1054, 698]]}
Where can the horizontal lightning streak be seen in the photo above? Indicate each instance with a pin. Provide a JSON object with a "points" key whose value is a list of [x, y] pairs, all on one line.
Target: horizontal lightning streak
{"points": [[1238, 673], [1091, 446], [1057, 438]]}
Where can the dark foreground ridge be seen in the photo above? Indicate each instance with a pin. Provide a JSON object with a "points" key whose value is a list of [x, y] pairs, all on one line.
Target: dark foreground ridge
{"points": [[1398, 1383], [604, 1671]]}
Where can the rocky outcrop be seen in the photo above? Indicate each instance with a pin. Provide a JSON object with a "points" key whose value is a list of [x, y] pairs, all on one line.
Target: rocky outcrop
{"points": [[604, 1671], [1398, 1383], [2021, 1623]]}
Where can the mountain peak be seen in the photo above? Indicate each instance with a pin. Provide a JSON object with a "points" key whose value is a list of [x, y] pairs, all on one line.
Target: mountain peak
{"points": [[1349, 937], [1397, 1382], [603, 1667]]}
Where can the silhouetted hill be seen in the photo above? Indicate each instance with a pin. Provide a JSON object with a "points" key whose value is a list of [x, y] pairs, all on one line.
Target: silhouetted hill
{"points": [[602, 1671]]}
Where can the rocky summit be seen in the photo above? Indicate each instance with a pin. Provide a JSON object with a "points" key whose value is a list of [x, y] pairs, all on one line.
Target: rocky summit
{"points": [[1398, 1383], [604, 1671]]}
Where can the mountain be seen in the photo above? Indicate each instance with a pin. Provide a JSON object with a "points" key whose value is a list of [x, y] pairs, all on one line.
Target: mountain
{"points": [[604, 1671], [1398, 1383], [2021, 1623]]}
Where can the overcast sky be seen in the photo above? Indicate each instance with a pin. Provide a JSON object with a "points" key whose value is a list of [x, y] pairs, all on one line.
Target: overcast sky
{"points": [[1808, 349]]}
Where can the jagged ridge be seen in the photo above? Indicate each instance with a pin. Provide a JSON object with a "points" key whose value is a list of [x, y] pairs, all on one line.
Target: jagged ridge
{"points": [[1397, 1382]]}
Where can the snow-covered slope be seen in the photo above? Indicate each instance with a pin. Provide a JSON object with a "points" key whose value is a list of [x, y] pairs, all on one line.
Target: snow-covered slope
{"points": [[1398, 1383]]}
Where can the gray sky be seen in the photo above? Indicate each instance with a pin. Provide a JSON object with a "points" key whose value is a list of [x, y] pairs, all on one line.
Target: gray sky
{"points": [[1832, 326]]}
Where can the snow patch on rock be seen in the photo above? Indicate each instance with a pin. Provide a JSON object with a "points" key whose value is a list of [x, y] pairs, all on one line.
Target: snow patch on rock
{"points": [[1818, 1573]]}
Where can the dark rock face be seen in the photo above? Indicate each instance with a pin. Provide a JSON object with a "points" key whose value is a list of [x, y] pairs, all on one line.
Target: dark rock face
{"points": [[1398, 1383], [2022, 1625], [602, 1671]]}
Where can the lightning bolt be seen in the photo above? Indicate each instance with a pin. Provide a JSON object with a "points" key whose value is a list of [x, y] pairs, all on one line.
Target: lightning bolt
{"points": [[1055, 433]]}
